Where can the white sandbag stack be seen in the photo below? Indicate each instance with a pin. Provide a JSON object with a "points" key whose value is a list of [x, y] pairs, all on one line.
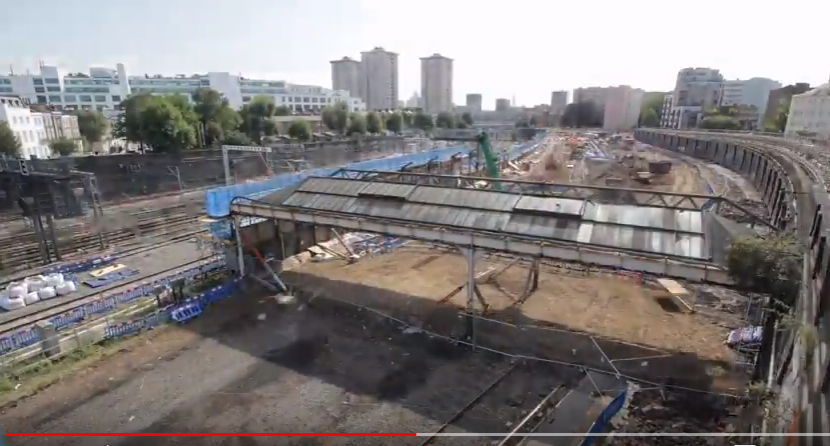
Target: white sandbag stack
{"points": [[54, 280], [9, 303], [65, 288], [35, 283], [32, 298], [46, 293]]}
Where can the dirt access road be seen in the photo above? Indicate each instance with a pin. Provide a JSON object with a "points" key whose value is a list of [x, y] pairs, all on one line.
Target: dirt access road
{"points": [[302, 369]]}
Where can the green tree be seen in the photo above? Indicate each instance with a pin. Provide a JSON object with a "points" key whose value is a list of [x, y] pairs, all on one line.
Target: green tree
{"points": [[215, 114], [649, 118], [373, 123], [467, 118], [407, 118], [779, 123], [92, 125], [236, 138], [336, 117], [129, 124], [9, 145], [771, 265], [445, 120], [63, 146], [257, 118], [423, 121], [719, 122], [582, 114], [460, 123], [394, 122], [300, 129], [650, 112], [357, 124], [282, 110], [163, 126]]}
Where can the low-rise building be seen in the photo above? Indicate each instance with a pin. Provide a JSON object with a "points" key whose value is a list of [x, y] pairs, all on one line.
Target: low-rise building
{"points": [[27, 127], [810, 115]]}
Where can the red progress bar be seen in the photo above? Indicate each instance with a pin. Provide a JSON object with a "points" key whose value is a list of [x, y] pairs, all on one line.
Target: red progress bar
{"points": [[10, 434]]}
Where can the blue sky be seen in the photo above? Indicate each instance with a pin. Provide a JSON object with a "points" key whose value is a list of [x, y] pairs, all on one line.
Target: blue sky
{"points": [[525, 48]]}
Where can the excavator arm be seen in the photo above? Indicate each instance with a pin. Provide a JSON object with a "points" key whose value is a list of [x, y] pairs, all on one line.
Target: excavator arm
{"points": [[491, 162]]}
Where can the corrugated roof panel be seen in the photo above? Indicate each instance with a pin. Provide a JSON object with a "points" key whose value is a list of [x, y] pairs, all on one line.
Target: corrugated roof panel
{"points": [[332, 186], [494, 201], [552, 205], [467, 218], [388, 190], [543, 226], [688, 221]]}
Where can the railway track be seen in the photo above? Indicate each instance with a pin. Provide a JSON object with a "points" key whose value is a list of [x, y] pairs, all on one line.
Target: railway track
{"points": [[522, 397], [23, 252]]}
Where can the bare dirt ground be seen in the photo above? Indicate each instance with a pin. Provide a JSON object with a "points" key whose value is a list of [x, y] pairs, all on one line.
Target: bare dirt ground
{"points": [[251, 365], [603, 304]]}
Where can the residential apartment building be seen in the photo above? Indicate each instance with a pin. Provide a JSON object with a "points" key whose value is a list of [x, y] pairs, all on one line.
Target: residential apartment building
{"points": [[436, 83], [346, 76], [781, 97], [35, 130], [750, 94], [696, 91], [666, 114], [622, 108], [379, 84], [103, 89], [597, 95], [414, 101], [502, 104], [558, 102], [810, 114], [474, 102]]}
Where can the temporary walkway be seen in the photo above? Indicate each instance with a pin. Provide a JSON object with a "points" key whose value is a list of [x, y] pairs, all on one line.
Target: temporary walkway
{"points": [[661, 241]]}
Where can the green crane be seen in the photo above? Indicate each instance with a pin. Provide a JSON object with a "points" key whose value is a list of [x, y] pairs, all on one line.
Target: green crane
{"points": [[491, 162]]}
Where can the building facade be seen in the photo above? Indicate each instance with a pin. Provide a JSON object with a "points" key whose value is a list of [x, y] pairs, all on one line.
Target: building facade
{"points": [[750, 94], [379, 83], [27, 128], [346, 75], [502, 105], [474, 102], [666, 115], [597, 95], [103, 89], [622, 108], [436, 83], [781, 97], [696, 90], [558, 102], [810, 115]]}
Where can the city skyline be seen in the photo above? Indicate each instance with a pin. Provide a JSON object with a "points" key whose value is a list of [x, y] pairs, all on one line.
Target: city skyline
{"points": [[493, 64]]}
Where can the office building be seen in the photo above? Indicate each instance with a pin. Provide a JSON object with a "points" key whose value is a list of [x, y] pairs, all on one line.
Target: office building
{"points": [[345, 76], [810, 115], [597, 95], [621, 110], [750, 94], [379, 84], [558, 102], [696, 91], [436, 83], [666, 111], [103, 89], [474, 102], [502, 104]]}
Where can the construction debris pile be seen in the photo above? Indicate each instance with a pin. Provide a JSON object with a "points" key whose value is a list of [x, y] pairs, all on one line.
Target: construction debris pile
{"points": [[670, 411]]}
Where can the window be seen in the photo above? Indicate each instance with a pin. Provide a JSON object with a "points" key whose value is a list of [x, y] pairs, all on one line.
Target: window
{"points": [[70, 98], [306, 99], [53, 89], [296, 99], [5, 89], [53, 81], [116, 98], [246, 99], [314, 100], [37, 81], [101, 107], [55, 98], [25, 138], [37, 121], [32, 135], [41, 99], [99, 98], [40, 90], [85, 98]]}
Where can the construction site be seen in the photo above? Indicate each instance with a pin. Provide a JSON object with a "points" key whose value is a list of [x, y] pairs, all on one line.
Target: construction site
{"points": [[520, 288]]}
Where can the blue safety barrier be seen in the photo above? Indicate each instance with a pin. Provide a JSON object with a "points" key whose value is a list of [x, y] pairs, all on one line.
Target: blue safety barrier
{"points": [[26, 336], [79, 265], [601, 423], [186, 312], [217, 201]]}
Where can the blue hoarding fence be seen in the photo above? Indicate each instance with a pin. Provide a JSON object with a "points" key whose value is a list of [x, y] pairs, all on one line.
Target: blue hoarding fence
{"points": [[26, 336], [217, 201], [602, 421]]}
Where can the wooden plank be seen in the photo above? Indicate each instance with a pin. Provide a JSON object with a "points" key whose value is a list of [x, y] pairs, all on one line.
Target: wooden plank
{"points": [[673, 287]]}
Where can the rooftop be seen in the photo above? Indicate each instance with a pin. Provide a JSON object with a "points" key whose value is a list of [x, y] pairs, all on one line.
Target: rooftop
{"points": [[649, 229]]}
